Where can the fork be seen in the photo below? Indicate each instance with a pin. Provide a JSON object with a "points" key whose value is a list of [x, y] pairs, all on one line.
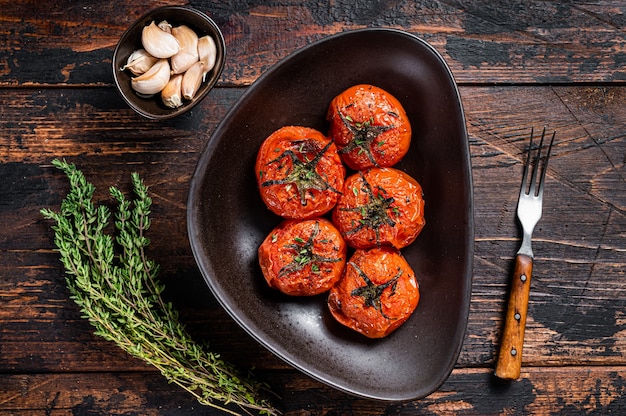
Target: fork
{"points": [[529, 206]]}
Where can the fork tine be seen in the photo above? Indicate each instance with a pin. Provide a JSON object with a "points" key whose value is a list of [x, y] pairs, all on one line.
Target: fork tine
{"points": [[545, 167], [527, 164], [533, 178]]}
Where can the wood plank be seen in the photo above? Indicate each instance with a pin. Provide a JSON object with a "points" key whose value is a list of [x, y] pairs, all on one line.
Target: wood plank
{"points": [[483, 42], [570, 390]]}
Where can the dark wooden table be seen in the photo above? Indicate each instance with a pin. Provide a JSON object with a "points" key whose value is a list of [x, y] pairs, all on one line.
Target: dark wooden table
{"points": [[518, 65]]}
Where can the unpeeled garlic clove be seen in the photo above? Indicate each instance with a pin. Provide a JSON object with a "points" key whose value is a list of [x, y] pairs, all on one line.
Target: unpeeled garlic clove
{"points": [[188, 53], [171, 94], [158, 42], [139, 62], [192, 79], [207, 52], [153, 80]]}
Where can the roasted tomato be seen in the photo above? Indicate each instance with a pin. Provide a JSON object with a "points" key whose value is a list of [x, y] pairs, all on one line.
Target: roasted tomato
{"points": [[377, 293], [369, 126], [299, 173], [381, 206], [303, 257]]}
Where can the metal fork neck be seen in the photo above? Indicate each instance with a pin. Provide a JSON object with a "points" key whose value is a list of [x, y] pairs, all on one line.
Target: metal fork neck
{"points": [[526, 247]]}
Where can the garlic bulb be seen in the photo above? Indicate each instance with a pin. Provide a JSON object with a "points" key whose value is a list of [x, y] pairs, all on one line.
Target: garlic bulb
{"points": [[158, 42], [153, 80], [139, 62], [188, 53]]}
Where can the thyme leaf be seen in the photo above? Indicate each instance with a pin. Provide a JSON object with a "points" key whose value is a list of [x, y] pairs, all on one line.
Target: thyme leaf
{"points": [[302, 173], [116, 287], [364, 136], [305, 254], [375, 212], [371, 292]]}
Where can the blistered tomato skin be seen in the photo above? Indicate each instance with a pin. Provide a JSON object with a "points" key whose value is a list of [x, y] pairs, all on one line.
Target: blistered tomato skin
{"points": [[299, 173], [378, 207], [377, 293], [369, 126], [303, 257]]}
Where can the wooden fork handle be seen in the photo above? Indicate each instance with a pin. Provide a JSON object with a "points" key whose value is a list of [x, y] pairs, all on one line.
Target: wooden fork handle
{"points": [[510, 357]]}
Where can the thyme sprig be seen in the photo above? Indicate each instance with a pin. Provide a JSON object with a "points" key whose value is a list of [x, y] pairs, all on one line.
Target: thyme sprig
{"points": [[117, 289]]}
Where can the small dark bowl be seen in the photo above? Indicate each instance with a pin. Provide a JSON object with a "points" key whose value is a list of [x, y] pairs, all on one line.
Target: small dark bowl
{"points": [[130, 41]]}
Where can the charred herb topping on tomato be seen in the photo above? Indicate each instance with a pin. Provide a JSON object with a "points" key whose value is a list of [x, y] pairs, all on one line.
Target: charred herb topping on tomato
{"points": [[363, 135], [375, 212], [302, 173], [304, 254], [371, 292]]}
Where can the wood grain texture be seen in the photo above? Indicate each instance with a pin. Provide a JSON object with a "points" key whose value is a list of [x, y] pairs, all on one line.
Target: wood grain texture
{"points": [[539, 391], [519, 65], [68, 43]]}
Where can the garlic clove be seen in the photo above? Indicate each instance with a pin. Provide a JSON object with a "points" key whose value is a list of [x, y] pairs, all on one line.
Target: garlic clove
{"points": [[171, 94], [182, 61], [207, 52], [165, 26], [187, 38], [188, 53], [159, 43], [153, 80], [139, 62], [192, 79]]}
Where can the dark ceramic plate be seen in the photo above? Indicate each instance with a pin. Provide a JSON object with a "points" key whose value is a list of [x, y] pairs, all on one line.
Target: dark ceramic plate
{"points": [[227, 220]]}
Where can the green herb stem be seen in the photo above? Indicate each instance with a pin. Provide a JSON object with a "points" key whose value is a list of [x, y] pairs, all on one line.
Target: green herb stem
{"points": [[117, 290]]}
